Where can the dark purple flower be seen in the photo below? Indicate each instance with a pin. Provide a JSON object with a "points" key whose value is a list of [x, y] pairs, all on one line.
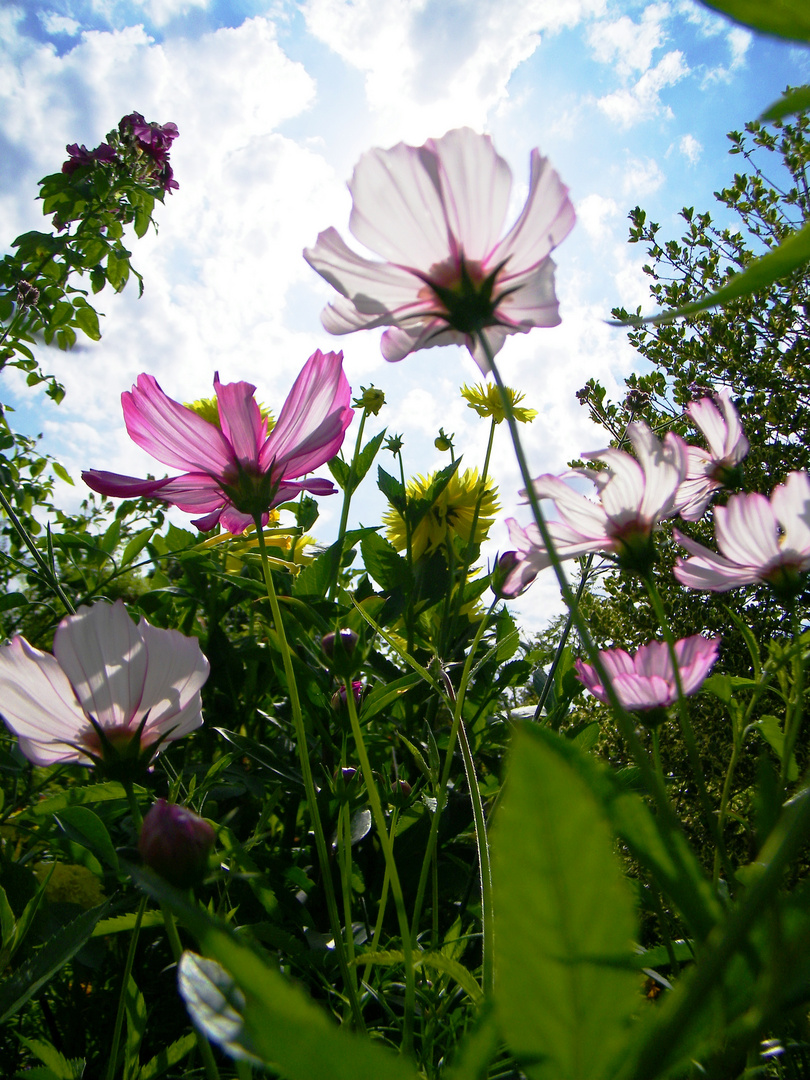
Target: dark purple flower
{"points": [[80, 155]]}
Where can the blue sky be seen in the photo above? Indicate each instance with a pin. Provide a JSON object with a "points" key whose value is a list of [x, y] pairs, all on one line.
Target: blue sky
{"points": [[275, 101]]}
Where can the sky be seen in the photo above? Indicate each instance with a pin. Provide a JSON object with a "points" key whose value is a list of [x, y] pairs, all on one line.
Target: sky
{"points": [[275, 102]]}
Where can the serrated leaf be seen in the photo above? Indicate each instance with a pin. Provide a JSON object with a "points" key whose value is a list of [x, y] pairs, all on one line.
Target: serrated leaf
{"points": [[384, 563], [135, 1008], [365, 459], [80, 796], [163, 1061], [120, 924], [781, 18], [56, 1063], [53, 955], [391, 488], [790, 255], [564, 921], [86, 828], [340, 471]]}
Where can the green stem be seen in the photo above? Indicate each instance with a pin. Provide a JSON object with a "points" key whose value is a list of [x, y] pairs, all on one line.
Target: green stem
{"points": [[793, 721], [484, 865], [383, 893], [309, 783], [687, 731], [441, 790], [348, 491], [409, 554], [204, 1047], [388, 854], [22, 532], [119, 1015], [624, 721]]}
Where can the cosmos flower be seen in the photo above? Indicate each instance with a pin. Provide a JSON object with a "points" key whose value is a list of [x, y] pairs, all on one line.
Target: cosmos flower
{"points": [[647, 680], [446, 514], [111, 690], [486, 400], [719, 466], [435, 214], [236, 470], [635, 493], [760, 540]]}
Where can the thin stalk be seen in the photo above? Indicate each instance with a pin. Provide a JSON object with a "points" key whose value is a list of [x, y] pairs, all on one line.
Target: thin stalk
{"points": [[22, 532], [383, 893], [210, 1066], [687, 731], [348, 491], [409, 554], [484, 864], [624, 721], [441, 790], [119, 1015], [388, 854], [345, 847], [309, 783], [793, 721]]}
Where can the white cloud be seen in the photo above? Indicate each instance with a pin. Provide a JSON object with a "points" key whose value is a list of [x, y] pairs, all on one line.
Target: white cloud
{"points": [[594, 213], [691, 148], [627, 45], [641, 177], [159, 12], [434, 64], [58, 24], [630, 105]]}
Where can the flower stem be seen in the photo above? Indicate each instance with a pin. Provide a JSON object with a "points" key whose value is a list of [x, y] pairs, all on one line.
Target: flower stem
{"points": [[624, 721], [119, 1015], [388, 853], [46, 570], [793, 721], [441, 790], [348, 491], [210, 1066], [309, 783]]}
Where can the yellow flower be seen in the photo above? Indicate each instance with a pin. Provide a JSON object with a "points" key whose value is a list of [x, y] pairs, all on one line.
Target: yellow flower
{"points": [[451, 513], [206, 408], [247, 545], [71, 884], [486, 400]]}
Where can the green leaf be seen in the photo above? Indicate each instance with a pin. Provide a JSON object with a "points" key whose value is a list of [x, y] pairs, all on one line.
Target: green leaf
{"points": [[315, 579], [87, 829], [340, 470], [120, 924], [163, 1061], [794, 101], [58, 1065], [62, 472], [109, 790], [12, 600], [780, 261], [86, 318], [386, 693], [135, 1008], [365, 458], [391, 488], [782, 18], [770, 729], [53, 955], [136, 545], [277, 1021], [384, 564], [564, 921], [436, 961]]}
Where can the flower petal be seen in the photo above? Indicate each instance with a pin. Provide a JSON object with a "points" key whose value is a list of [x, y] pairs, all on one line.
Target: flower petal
{"points": [[397, 209], [103, 655], [176, 669], [791, 505], [747, 530], [172, 433], [707, 570], [38, 704], [546, 219], [241, 419], [475, 184], [312, 421]]}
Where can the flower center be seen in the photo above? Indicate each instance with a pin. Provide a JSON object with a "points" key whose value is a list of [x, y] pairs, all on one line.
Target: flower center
{"points": [[465, 291]]}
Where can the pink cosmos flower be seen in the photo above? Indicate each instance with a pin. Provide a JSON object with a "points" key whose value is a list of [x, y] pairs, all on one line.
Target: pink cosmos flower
{"points": [[647, 680], [760, 540], [635, 493], [708, 471], [236, 470], [435, 213], [111, 688]]}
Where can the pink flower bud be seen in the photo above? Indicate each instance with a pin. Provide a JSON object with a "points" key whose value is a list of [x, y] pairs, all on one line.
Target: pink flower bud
{"points": [[176, 844]]}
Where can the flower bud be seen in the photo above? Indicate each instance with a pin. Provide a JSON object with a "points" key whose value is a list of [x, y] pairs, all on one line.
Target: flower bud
{"points": [[176, 844], [339, 697], [340, 650], [504, 582], [371, 399]]}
